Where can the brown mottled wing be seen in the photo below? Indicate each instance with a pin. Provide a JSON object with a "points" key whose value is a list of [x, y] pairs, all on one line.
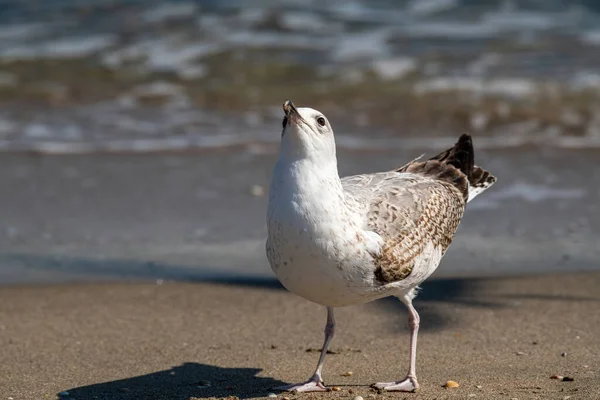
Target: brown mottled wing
{"points": [[417, 208], [410, 214]]}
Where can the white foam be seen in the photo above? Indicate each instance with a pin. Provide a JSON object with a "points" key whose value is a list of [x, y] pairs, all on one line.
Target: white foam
{"points": [[308, 22], [189, 72], [350, 75], [509, 18], [60, 48], [37, 131], [353, 11], [171, 54], [126, 54], [428, 7], [215, 26], [534, 193], [126, 133], [6, 126], [357, 46], [277, 41], [394, 68], [450, 30], [505, 141], [479, 121], [590, 141], [585, 80], [591, 37], [483, 63], [513, 87], [164, 12], [19, 32]]}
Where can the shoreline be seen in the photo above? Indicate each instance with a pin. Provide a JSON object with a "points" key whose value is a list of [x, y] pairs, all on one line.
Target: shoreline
{"points": [[199, 215]]}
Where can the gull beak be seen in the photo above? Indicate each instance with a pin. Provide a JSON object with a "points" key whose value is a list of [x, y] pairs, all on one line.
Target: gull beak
{"points": [[291, 112]]}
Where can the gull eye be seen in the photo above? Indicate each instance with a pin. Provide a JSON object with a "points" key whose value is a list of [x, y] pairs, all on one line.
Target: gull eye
{"points": [[321, 121], [284, 122]]}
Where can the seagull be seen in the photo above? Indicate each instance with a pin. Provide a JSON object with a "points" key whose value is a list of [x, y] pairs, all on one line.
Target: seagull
{"points": [[344, 241]]}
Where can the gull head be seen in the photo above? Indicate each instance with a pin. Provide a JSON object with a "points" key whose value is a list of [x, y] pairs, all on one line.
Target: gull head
{"points": [[306, 134]]}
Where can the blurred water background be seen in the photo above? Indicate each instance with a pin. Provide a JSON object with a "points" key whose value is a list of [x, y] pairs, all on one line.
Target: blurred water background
{"points": [[137, 137]]}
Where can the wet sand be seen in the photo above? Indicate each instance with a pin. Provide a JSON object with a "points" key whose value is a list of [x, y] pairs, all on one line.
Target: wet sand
{"points": [[190, 215], [498, 338]]}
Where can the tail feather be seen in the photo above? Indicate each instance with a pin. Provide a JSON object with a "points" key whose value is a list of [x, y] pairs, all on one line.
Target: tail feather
{"points": [[461, 155], [479, 181], [456, 166]]}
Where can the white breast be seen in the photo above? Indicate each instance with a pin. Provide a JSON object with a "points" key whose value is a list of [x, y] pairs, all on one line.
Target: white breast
{"points": [[314, 248]]}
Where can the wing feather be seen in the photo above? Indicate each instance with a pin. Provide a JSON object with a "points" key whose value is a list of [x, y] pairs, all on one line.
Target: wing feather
{"points": [[411, 213], [417, 208]]}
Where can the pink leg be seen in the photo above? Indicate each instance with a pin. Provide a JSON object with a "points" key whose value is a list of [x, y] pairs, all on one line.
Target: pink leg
{"points": [[408, 384], [315, 383]]}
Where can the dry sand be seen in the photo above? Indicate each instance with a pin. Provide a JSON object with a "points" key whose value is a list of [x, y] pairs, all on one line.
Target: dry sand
{"points": [[498, 338]]}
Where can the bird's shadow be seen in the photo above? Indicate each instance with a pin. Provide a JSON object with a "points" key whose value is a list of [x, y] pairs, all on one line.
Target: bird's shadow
{"points": [[183, 382]]}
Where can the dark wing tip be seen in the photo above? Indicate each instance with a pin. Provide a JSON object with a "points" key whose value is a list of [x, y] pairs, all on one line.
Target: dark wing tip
{"points": [[464, 137], [454, 165]]}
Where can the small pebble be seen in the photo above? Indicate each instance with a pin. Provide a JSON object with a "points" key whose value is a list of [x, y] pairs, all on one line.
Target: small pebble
{"points": [[271, 395], [285, 398], [257, 190], [336, 388], [63, 394], [371, 396], [451, 384], [566, 397], [478, 386], [358, 398], [562, 378], [471, 395], [347, 373], [534, 342], [585, 366], [564, 354], [520, 353]]}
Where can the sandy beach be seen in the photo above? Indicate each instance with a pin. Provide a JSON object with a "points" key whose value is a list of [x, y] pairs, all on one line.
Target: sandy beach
{"points": [[498, 338], [77, 318], [137, 145]]}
